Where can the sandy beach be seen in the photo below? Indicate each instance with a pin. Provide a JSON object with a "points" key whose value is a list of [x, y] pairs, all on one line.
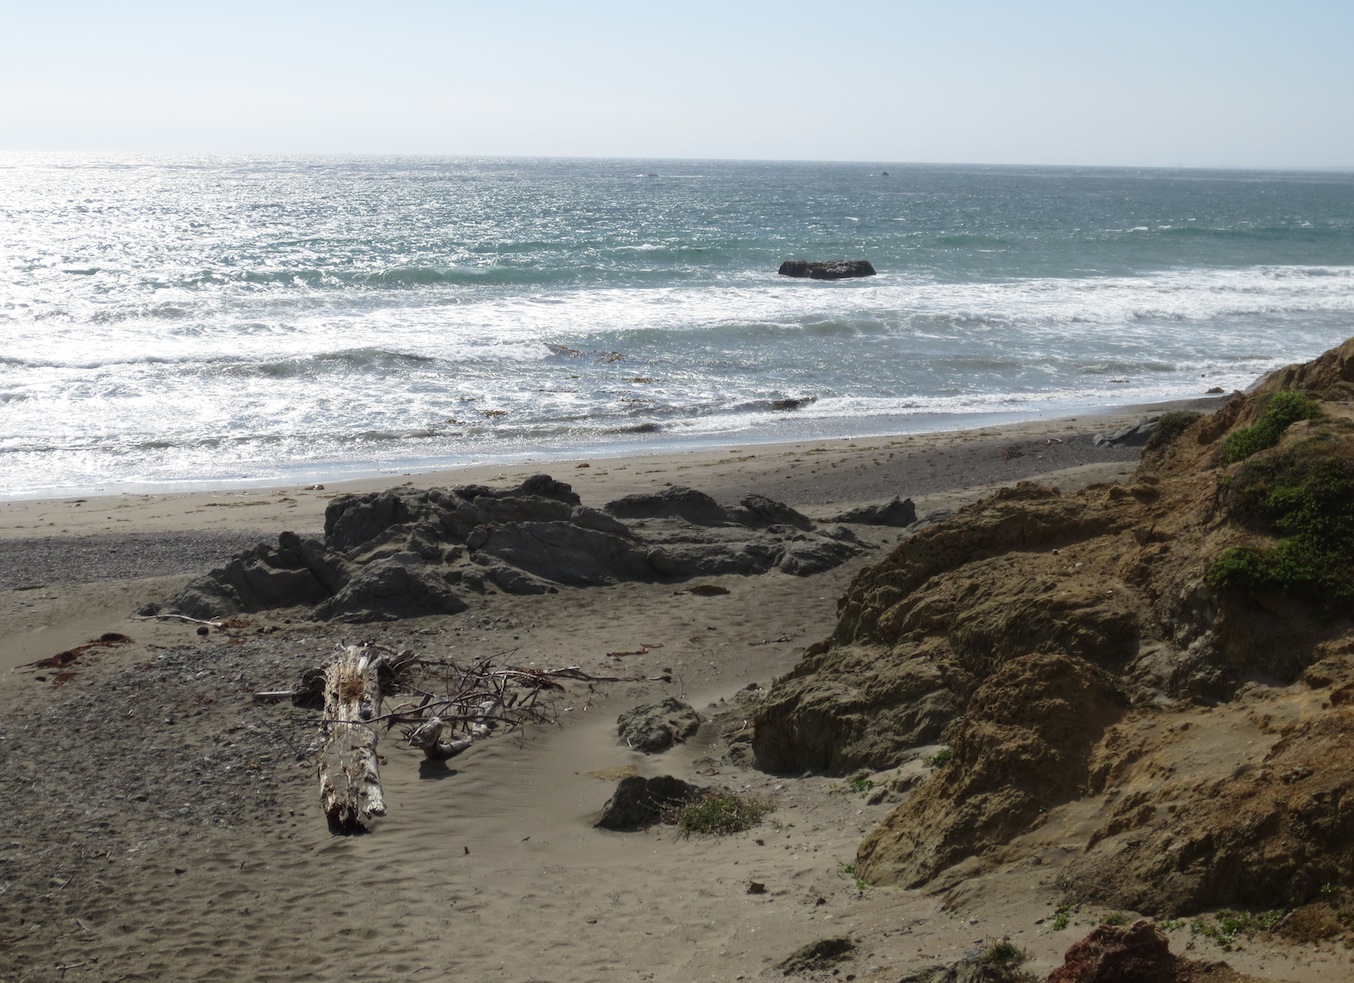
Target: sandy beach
{"points": [[165, 824]]}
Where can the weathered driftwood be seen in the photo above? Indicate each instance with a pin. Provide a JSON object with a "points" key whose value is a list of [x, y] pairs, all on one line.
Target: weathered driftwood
{"points": [[350, 783], [428, 736]]}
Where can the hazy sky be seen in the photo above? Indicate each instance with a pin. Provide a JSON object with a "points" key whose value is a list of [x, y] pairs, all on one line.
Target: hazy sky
{"points": [[1087, 82]]}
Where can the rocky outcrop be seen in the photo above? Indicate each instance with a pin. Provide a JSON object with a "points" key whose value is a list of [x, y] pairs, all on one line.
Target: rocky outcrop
{"points": [[406, 552], [833, 269], [1022, 747], [1157, 671]]}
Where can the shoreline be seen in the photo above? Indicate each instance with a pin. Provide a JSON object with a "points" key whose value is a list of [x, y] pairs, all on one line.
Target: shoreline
{"points": [[364, 474], [74, 515]]}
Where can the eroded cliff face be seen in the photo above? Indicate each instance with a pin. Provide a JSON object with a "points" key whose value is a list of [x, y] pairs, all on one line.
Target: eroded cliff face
{"points": [[1156, 678]]}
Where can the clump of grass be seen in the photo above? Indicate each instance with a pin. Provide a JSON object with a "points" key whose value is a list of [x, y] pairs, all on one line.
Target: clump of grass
{"points": [[860, 784], [1004, 953], [721, 814], [1282, 411], [1306, 495], [1115, 918], [1062, 917], [1170, 426]]}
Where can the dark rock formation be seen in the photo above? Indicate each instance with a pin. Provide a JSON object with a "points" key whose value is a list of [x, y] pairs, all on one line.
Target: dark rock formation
{"points": [[834, 269], [677, 502], [899, 512], [640, 801], [405, 552], [655, 727]]}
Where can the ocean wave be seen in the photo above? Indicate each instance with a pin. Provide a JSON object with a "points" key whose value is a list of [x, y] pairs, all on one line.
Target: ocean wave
{"points": [[329, 363]]}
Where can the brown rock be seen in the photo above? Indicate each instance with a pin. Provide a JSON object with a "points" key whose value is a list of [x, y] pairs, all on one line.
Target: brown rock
{"points": [[1136, 953], [1071, 649]]}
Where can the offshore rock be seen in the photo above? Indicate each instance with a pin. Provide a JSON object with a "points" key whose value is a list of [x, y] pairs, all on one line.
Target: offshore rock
{"points": [[834, 269]]}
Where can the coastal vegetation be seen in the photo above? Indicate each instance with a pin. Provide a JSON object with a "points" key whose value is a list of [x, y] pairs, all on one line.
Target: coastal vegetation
{"points": [[1305, 496], [1170, 426], [1283, 410], [722, 814]]}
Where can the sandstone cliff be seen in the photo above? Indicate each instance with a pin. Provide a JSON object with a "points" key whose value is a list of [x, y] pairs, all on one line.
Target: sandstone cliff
{"points": [[1149, 686]]}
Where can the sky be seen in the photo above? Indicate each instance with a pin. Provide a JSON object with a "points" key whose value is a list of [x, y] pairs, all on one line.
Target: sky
{"points": [[1194, 84]]}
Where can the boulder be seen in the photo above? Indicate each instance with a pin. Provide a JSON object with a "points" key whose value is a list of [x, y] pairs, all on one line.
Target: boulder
{"points": [[1132, 435], [655, 727], [833, 269], [1137, 953], [640, 801]]}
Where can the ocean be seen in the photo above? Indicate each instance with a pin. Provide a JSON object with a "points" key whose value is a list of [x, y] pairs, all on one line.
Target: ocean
{"points": [[180, 323]]}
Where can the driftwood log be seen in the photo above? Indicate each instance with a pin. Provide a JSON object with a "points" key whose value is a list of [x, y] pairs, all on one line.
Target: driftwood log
{"points": [[456, 706], [350, 782]]}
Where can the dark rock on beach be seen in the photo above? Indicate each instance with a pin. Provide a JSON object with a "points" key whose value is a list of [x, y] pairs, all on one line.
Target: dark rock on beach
{"points": [[639, 801], [405, 552], [1133, 435], [834, 269], [899, 512]]}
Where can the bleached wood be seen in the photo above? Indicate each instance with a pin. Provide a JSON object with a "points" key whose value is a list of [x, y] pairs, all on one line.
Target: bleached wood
{"points": [[350, 781]]}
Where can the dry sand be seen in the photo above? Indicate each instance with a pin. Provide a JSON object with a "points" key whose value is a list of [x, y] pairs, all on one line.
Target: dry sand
{"points": [[164, 825]]}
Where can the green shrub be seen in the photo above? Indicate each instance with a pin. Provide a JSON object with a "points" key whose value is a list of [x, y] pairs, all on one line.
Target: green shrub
{"points": [[1282, 411], [1306, 496], [941, 758], [1170, 426], [722, 813]]}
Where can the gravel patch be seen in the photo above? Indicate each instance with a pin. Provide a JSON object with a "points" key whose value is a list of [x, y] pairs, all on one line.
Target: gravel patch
{"points": [[33, 562]]}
